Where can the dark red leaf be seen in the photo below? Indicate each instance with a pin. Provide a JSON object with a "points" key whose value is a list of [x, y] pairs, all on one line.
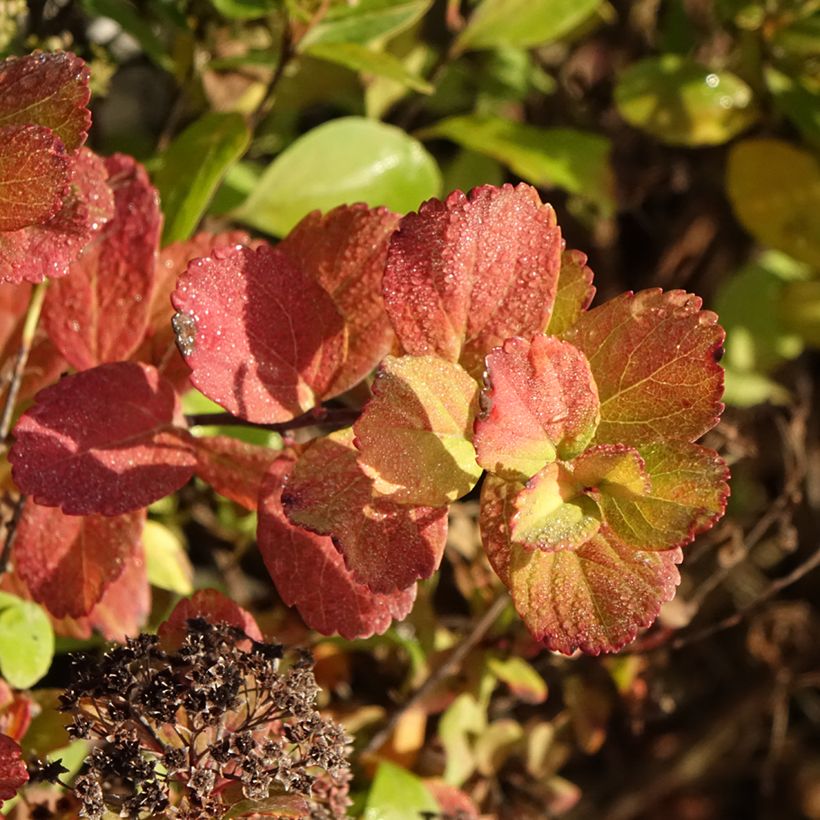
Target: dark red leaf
{"points": [[69, 561], [105, 441], [345, 251], [13, 772], [33, 175], [310, 574], [262, 338], [38, 251], [233, 468], [47, 89], [386, 546], [211, 605], [465, 274], [100, 312]]}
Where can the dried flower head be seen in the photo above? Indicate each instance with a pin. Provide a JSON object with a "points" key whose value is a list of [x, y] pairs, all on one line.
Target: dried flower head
{"points": [[222, 723]]}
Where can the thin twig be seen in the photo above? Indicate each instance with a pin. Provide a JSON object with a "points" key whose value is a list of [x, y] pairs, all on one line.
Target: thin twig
{"points": [[35, 307], [451, 665], [11, 532], [332, 417], [287, 52]]}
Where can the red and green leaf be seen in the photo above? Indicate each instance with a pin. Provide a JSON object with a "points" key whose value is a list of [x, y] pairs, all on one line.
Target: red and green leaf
{"points": [[551, 515], [594, 598], [233, 468], [261, 336], [540, 403], [575, 292], [34, 172], [653, 356], [687, 493], [345, 251], [467, 273], [100, 312], [106, 440], [49, 90], [338, 603], [386, 546], [13, 772], [68, 561], [415, 433], [615, 469]]}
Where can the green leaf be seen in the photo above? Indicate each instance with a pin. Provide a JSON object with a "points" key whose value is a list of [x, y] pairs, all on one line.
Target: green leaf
{"points": [[797, 101], [577, 161], [166, 560], [365, 21], [523, 680], [192, 168], [357, 57], [465, 716], [523, 23], [684, 103], [244, 9], [345, 160], [26, 641], [397, 794], [774, 189]]}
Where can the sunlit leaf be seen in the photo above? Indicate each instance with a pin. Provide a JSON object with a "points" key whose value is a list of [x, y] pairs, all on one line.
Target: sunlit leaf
{"points": [[345, 160], [522, 679], [653, 356], [575, 292], [415, 433], [26, 641], [166, 561], [386, 546], [540, 403], [684, 103], [397, 794]]}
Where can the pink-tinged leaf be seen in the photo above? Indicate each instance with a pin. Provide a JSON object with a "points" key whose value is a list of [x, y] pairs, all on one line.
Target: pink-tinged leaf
{"points": [[615, 469], [47, 249], [233, 468], [103, 441], [310, 574], [13, 772], [540, 403], [213, 606], [99, 313], [653, 356], [68, 561], [345, 251], [16, 710], [415, 434], [386, 546], [452, 801], [261, 336], [159, 346], [575, 292], [467, 273], [49, 90], [33, 175], [687, 493], [594, 598], [551, 515]]}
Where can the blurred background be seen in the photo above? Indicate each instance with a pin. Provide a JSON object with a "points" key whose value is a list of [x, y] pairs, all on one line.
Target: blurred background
{"points": [[679, 142]]}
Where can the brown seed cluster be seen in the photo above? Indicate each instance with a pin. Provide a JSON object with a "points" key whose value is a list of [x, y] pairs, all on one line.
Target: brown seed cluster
{"points": [[195, 732]]}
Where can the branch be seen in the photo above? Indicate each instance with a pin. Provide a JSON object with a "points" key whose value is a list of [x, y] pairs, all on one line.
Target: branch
{"points": [[11, 533], [451, 665], [333, 417]]}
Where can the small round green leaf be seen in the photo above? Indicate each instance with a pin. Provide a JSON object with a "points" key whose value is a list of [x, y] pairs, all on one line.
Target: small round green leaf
{"points": [[26, 641]]}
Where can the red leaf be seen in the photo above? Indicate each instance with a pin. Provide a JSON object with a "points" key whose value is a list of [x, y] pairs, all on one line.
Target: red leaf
{"points": [[540, 403], [159, 346], [233, 468], [213, 606], [575, 292], [593, 598], [38, 251], [103, 441], [68, 561], [653, 356], [16, 712], [33, 175], [345, 251], [452, 801], [100, 312], [465, 274], [47, 89], [13, 772], [262, 338], [309, 573], [386, 546]]}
